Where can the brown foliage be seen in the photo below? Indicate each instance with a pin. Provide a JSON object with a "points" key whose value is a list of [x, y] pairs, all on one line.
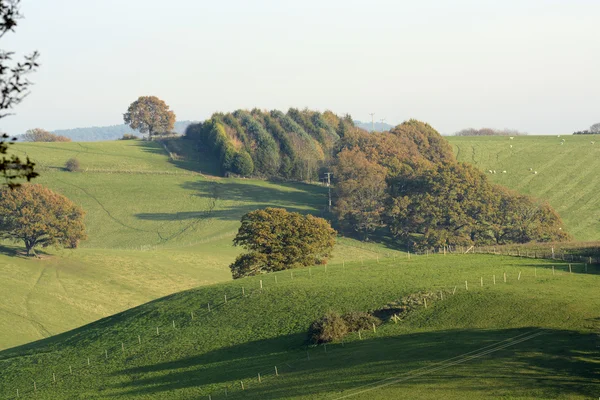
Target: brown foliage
{"points": [[42, 135], [360, 190], [40, 218], [151, 115]]}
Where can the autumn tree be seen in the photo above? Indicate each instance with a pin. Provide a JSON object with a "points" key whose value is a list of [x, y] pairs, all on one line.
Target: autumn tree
{"points": [[360, 191], [277, 239], [14, 87], [150, 115], [40, 218], [42, 135]]}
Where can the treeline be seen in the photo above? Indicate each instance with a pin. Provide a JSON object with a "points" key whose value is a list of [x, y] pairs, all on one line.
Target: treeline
{"points": [[295, 145], [409, 183], [489, 132], [405, 182]]}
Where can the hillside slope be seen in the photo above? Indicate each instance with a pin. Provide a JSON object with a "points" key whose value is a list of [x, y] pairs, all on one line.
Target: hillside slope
{"points": [[156, 225], [567, 174], [531, 337]]}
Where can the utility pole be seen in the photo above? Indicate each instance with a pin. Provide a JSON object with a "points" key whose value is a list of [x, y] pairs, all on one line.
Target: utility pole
{"points": [[382, 121], [328, 174], [372, 122]]}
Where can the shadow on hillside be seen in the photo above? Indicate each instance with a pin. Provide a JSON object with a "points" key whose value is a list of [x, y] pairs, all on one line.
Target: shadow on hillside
{"points": [[186, 155], [549, 363], [246, 197]]}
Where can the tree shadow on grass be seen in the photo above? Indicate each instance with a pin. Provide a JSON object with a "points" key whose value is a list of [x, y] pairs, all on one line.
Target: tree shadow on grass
{"points": [[246, 197], [550, 363]]}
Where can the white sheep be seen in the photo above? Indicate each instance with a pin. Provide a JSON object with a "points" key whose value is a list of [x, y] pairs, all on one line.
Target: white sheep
{"points": [[503, 172], [511, 138], [535, 172], [511, 146], [490, 171], [592, 142], [531, 169], [494, 171]]}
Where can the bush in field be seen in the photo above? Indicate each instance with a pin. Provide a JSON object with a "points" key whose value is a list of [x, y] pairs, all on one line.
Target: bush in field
{"points": [[329, 328], [129, 136], [72, 165], [333, 327]]}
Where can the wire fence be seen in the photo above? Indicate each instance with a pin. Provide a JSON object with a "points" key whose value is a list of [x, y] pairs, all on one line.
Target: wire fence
{"points": [[139, 344]]}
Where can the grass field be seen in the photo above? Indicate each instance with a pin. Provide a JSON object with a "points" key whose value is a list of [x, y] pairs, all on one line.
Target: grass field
{"points": [[535, 336], [567, 175], [156, 226]]}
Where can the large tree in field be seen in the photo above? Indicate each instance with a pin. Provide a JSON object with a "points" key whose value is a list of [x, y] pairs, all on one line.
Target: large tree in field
{"points": [[40, 218], [278, 239], [151, 115], [13, 89]]}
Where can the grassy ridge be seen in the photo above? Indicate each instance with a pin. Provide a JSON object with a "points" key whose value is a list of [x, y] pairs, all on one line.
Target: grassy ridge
{"points": [[253, 334], [156, 226], [567, 173]]}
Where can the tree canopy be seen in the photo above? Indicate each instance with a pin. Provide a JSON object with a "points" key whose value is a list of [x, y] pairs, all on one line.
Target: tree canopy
{"points": [[150, 115], [14, 87], [409, 181], [40, 218], [277, 239]]}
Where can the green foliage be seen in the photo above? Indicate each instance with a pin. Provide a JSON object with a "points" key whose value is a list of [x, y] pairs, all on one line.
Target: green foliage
{"points": [[266, 155], [39, 217], [72, 165], [242, 164], [278, 239]]}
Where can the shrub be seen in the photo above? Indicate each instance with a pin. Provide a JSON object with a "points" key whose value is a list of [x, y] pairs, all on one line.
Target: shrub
{"points": [[129, 136], [329, 328], [72, 165], [360, 321]]}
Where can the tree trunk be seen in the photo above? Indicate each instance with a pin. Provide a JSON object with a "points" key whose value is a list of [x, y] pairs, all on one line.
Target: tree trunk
{"points": [[30, 246]]}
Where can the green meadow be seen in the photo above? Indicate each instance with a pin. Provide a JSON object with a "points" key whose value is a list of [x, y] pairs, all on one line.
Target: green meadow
{"points": [[146, 308], [567, 174], [156, 225], [533, 336]]}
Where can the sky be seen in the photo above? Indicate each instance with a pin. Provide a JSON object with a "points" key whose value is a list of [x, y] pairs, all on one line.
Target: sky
{"points": [[528, 65]]}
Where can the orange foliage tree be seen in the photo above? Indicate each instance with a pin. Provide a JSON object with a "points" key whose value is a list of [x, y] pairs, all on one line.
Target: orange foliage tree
{"points": [[150, 115], [40, 218]]}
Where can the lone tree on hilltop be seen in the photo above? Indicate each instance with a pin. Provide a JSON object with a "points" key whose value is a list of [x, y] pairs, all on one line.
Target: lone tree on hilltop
{"points": [[40, 218], [14, 87], [278, 240], [150, 115], [595, 128]]}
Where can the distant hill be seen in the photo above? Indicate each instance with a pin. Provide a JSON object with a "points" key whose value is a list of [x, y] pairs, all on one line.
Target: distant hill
{"points": [[379, 127], [111, 132]]}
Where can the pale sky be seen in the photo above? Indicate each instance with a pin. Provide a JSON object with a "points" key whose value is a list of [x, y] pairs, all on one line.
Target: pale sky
{"points": [[531, 65]]}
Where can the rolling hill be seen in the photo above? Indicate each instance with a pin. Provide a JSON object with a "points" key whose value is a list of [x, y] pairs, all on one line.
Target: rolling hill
{"points": [[161, 225], [529, 337], [567, 174], [157, 224]]}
